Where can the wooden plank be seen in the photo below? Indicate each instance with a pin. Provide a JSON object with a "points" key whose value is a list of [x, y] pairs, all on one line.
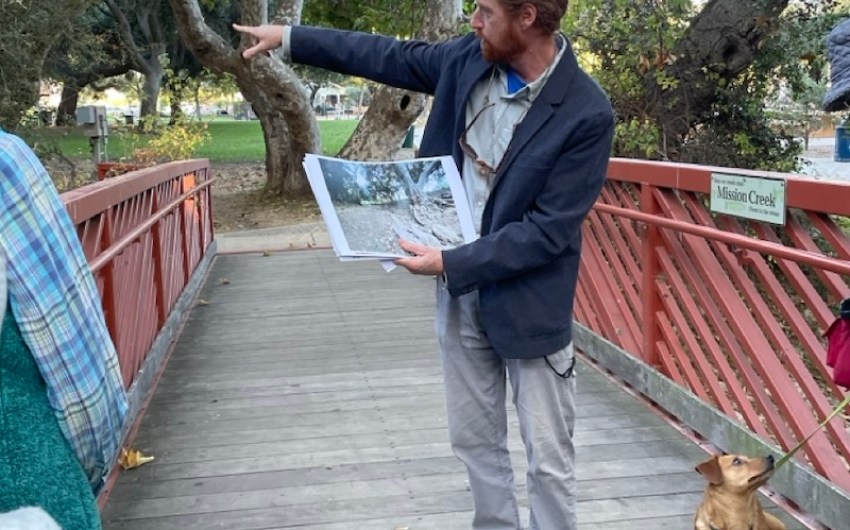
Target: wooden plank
{"points": [[307, 393]]}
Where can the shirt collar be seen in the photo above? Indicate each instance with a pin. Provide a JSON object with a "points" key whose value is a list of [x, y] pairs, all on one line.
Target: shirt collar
{"points": [[531, 90]]}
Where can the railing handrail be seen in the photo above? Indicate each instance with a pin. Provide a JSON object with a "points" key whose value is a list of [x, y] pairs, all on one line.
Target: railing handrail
{"points": [[805, 193], [836, 265], [91, 200]]}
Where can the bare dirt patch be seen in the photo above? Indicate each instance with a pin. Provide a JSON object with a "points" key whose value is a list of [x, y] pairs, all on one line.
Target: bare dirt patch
{"points": [[239, 203]]}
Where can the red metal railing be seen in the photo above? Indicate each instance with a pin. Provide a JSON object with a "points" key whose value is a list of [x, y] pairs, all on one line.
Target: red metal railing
{"points": [[144, 233], [733, 310]]}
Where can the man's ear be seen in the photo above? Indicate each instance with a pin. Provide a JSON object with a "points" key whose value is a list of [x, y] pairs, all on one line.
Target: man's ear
{"points": [[527, 15], [710, 469]]}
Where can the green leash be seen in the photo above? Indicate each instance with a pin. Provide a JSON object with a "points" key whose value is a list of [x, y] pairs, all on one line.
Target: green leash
{"points": [[833, 414]]}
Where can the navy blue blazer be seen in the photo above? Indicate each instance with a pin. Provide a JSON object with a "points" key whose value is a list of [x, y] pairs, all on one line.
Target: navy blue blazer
{"points": [[525, 265]]}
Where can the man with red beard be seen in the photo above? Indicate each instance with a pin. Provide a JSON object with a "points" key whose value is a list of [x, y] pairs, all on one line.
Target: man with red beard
{"points": [[532, 135]]}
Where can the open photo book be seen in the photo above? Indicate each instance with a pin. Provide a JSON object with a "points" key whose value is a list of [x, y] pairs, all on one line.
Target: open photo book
{"points": [[369, 206]]}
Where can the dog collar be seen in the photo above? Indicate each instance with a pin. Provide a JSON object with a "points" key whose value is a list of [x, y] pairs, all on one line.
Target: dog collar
{"points": [[712, 527]]}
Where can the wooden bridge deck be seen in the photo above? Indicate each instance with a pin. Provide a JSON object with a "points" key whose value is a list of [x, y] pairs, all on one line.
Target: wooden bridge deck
{"points": [[306, 393]]}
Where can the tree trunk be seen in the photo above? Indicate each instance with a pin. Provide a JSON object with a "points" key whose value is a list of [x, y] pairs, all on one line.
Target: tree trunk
{"points": [[393, 111], [177, 113], [197, 100], [720, 43], [289, 129], [379, 134], [145, 43], [66, 113], [177, 89], [276, 94], [151, 89]]}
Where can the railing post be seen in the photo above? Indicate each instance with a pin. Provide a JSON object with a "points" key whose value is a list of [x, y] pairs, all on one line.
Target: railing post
{"points": [[209, 228], [110, 294], [650, 299], [158, 264], [184, 232]]}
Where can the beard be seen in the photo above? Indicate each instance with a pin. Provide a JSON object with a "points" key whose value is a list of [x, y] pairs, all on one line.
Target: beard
{"points": [[504, 49]]}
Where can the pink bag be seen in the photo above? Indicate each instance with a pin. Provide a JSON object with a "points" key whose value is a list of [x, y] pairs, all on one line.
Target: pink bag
{"points": [[838, 350]]}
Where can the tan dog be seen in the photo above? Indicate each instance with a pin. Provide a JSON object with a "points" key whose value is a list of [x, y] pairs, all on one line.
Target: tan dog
{"points": [[730, 501]]}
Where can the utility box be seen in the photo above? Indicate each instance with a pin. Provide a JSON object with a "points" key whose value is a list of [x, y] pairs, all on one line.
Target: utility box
{"points": [[93, 120]]}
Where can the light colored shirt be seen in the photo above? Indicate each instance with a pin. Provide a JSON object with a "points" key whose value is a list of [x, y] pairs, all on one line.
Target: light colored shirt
{"points": [[492, 132], [57, 307], [285, 47]]}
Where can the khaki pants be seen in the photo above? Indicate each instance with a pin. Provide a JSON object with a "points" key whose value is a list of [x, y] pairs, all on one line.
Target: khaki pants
{"points": [[475, 382]]}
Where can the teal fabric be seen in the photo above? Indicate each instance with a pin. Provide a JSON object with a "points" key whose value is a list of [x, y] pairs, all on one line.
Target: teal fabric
{"points": [[37, 465]]}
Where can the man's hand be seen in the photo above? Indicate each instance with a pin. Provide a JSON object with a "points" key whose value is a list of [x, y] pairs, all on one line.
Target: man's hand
{"points": [[425, 260], [263, 38]]}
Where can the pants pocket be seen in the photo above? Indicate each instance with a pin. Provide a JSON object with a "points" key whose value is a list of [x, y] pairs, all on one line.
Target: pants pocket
{"points": [[563, 361]]}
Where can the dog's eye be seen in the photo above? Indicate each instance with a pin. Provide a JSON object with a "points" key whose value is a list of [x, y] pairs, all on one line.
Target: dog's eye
{"points": [[737, 462]]}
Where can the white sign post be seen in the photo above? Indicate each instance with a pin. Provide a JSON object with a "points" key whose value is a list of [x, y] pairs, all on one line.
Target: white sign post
{"points": [[757, 198]]}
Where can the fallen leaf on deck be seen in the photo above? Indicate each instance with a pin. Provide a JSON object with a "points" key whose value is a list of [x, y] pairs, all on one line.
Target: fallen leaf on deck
{"points": [[133, 458]]}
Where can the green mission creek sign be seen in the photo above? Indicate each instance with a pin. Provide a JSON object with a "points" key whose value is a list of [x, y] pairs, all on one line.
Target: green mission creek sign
{"points": [[757, 198]]}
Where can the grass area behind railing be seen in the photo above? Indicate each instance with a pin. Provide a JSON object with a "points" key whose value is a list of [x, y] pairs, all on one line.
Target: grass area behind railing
{"points": [[229, 140]]}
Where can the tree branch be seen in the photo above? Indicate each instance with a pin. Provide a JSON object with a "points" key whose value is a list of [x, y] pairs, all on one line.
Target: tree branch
{"points": [[210, 47]]}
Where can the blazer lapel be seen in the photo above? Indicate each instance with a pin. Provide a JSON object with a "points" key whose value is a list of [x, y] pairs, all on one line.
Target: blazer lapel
{"points": [[470, 77]]}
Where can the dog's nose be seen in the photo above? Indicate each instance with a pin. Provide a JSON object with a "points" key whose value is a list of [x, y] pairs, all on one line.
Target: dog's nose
{"points": [[770, 458]]}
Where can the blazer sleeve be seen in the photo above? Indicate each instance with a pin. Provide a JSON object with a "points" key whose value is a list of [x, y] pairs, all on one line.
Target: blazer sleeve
{"points": [[411, 65]]}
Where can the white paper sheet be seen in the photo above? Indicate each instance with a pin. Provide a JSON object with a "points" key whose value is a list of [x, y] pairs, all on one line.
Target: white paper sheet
{"points": [[369, 206]]}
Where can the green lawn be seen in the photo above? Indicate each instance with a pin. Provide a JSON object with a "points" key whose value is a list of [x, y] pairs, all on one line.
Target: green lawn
{"points": [[230, 140]]}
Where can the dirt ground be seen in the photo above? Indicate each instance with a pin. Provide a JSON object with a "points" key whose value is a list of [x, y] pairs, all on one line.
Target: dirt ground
{"points": [[238, 202]]}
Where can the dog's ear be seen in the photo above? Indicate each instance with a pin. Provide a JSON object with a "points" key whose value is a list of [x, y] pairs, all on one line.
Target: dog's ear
{"points": [[710, 469]]}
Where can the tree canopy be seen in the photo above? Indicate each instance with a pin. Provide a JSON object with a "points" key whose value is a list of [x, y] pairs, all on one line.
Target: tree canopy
{"points": [[29, 30], [690, 81], [693, 82]]}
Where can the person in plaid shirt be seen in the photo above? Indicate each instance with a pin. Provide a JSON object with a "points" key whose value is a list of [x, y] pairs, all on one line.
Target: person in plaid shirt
{"points": [[53, 311]]}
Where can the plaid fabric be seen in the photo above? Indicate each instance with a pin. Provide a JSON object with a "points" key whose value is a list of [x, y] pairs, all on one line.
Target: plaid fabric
{"points": [[57, 306], [2, 285]]}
